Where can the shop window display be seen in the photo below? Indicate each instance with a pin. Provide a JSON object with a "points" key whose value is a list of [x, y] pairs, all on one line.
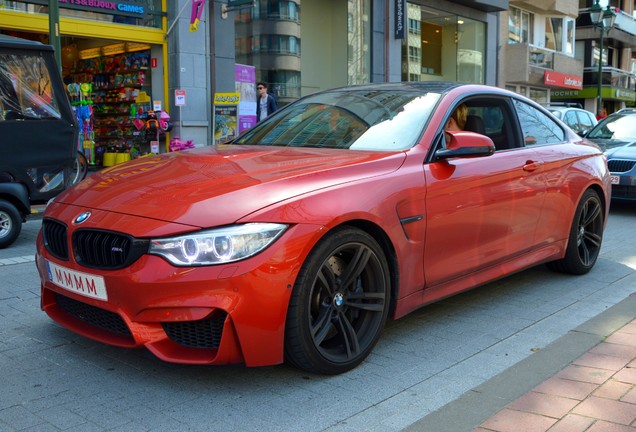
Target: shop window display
{"points": [[111, 96]]}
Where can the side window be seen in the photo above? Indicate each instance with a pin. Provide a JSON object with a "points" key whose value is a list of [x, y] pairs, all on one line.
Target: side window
{"points": [[25, 88], [571, 120], [585, 120], [537, 128]]}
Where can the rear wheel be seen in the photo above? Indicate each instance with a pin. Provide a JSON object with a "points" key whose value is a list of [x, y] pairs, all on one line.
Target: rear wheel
{"points": [[10, 223], [586, 235], [339, 304]]}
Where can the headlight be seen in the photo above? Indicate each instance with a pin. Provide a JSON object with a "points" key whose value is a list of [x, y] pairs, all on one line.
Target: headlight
{"points": [[217, 246]]}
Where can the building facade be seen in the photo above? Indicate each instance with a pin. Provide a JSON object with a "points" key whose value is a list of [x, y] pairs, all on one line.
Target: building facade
{"points": [[616, 71]]}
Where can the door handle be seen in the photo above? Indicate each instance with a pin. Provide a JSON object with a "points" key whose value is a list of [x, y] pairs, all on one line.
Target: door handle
{"points": [[532, 165]]}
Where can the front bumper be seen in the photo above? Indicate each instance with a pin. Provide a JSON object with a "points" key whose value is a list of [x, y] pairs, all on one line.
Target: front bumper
{"points": [[197, 315]]}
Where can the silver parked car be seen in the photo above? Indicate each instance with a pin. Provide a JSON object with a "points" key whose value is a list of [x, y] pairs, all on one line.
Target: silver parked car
{"points": [[579, 120]]}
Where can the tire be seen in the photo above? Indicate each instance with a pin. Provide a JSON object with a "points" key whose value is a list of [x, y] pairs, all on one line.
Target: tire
{"points": [[339, 305], [80, 168], [586, 235], [10, 223]]}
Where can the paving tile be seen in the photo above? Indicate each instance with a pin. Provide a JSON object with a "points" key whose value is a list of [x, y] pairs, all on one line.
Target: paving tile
{"points": [[567, 388], [602, 426], [585, 374], [601, 361], [572, 423], [508, 420], [544, 404], [627, 375], [630, 397], [607, 409], [616, 350], [613, 389], [629, 328], [622, 339]]}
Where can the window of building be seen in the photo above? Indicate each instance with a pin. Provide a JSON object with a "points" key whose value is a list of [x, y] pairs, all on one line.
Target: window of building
{"points": [[415, 26], [520, 26], [414, 54], [441, 45], [539, 95], [559, 35], [359, 35]]}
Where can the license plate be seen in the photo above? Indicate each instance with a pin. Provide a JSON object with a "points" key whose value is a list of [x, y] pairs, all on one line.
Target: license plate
{"points": [[78, 282], [615, 179]]}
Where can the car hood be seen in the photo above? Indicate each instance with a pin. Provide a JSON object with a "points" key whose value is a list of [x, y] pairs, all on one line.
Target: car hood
{"points": [[214, 186], [622, 150], [617, 148]]}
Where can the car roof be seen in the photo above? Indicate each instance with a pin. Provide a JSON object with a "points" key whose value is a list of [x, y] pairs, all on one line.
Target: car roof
{"points": [[7, 41], [423, 86]]}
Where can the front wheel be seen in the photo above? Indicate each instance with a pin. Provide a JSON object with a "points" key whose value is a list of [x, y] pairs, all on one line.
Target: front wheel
{"points": [[339, 304], [10, 223], [586, 235], [80, 168]]}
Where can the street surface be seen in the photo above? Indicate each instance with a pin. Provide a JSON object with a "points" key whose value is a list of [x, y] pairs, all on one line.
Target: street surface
{"points": [[53, 380]]}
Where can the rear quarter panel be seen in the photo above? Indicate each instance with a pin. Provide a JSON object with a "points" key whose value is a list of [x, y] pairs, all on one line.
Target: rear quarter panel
{"points": [[570, 169]]}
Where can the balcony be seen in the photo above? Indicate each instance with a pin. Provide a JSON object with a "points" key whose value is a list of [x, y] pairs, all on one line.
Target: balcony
{"points": [[527, 63], [611, 77], [549, 7], [624, 29]]}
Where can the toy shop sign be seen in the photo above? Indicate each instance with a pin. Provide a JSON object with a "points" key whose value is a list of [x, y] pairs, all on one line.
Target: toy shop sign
{"points": [[131, 7]]}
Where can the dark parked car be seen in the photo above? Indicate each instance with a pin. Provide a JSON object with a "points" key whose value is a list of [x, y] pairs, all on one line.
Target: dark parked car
{"points": [[616, 135], [38, 132]]}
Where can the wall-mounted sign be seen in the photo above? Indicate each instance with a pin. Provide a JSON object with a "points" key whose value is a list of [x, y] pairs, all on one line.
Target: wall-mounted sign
{"points": [[179, 97], [557, 79], [124, 8], [400, 18]]}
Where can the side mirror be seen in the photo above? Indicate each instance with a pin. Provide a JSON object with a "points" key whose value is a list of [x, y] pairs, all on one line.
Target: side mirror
{"points": [[465, 144]]}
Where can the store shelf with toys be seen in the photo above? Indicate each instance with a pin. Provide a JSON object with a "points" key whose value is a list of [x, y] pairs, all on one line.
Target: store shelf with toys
{"points": [[112, 102]]}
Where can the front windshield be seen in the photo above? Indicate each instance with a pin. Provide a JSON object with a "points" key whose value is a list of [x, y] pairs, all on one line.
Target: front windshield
{"points": [[386, 120], [616, 126]]}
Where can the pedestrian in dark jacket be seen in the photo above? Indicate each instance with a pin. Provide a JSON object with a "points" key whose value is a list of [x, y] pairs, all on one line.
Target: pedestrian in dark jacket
{"points": [[265, 104]]}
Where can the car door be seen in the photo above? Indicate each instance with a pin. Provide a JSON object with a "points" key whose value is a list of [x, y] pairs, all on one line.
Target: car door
{"points": [[483, 211], [548, 140]]}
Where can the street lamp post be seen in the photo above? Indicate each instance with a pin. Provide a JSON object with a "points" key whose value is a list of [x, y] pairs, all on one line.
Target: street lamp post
{"points": [[603, 19]]}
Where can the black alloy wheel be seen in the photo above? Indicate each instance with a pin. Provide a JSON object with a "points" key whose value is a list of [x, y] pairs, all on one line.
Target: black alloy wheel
{"points": [[339, 305], [586, 236]]}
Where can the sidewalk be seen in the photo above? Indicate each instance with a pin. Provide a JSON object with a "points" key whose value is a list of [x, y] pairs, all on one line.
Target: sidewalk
{"points": [[585, 381], [596, 393]]}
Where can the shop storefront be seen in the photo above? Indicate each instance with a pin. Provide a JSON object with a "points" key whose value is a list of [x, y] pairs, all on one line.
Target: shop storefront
{"points": [[442, 45], [113, 62]]}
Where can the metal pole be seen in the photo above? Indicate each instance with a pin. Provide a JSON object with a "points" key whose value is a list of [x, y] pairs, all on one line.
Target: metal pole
{"points": [[54, 31], [599, 99]]}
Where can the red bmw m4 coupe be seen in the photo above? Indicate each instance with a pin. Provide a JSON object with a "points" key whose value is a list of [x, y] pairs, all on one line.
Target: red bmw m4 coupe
{"points": [[299, 239]]}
